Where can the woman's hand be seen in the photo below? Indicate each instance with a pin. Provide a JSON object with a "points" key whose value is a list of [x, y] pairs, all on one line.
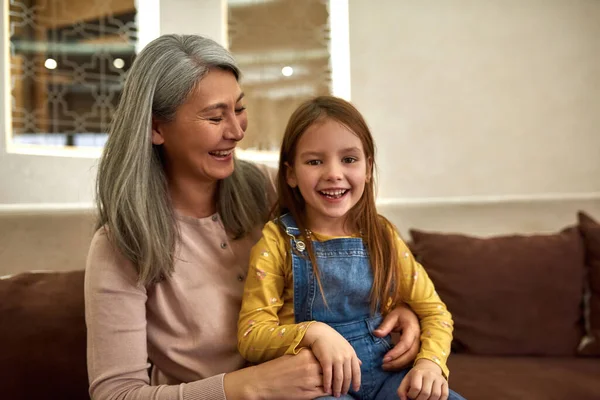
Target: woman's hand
{"points": [[424, 382], [338, 359], [400, 319], [288, 377]]}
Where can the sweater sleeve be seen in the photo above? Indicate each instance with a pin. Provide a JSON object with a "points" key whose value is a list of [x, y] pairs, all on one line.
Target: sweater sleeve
{"points": [[261, 337], [418, 292], [115, 314]]}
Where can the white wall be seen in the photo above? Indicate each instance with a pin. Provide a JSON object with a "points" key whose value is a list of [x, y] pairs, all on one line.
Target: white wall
{"points": [[476, 106], [470, 97], [486, 113]]}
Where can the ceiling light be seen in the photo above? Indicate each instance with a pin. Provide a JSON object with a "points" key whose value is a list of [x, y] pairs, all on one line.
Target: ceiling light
{"points": [[50, 63], [287, 71], [118, 63]]}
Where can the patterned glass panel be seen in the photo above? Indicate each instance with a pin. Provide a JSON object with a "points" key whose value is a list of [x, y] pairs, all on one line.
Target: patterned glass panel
{"points": [[282, 47], [68, 60]]}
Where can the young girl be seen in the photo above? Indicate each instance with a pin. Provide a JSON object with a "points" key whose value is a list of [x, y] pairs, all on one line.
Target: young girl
{"points": [[329, 266]]}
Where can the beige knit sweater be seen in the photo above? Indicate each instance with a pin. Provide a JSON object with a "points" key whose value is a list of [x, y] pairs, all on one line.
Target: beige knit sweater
{"points": [[186, 325]]}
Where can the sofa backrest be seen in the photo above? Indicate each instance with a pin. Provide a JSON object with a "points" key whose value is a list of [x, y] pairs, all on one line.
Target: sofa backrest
{"points": [[49, 240]]}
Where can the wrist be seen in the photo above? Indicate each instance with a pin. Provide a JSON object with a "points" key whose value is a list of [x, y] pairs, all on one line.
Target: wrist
{"points": [[311, 334], [238, 385], [424, 363]]}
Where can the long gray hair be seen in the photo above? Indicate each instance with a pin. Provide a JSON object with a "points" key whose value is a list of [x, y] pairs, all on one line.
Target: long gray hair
{"points": [[131, 189]]}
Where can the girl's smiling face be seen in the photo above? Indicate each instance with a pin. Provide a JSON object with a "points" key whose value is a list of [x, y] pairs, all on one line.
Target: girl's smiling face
{"points": [[330, 169]]}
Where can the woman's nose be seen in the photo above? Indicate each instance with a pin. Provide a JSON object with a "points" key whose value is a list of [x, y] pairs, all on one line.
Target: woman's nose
{"points": [[235, 130]]}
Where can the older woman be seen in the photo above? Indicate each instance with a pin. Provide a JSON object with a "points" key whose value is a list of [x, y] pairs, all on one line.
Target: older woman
{"points": [[178, 214]]}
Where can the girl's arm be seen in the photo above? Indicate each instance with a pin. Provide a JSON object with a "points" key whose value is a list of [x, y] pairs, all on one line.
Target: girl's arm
{"points": [[418, 292], [266, 328]]}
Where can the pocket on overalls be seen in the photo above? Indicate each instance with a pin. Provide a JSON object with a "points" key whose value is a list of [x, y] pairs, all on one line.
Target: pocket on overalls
{"points": [[384, 343]]}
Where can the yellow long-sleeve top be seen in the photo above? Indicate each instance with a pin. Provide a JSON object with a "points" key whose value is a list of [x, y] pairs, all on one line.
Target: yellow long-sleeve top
{"points": [[266, 325]]}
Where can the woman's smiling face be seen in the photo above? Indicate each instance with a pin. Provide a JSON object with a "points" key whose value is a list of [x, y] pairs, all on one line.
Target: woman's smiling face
{"points": [[199, 142]]}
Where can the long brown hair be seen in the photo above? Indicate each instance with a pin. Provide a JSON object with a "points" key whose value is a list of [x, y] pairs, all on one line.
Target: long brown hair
{"points": [[376, 230]]}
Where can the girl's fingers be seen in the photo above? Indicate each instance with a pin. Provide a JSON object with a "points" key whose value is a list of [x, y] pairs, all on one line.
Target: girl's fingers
{"points": [[404, 388], [445, 391], [414, 385], [436, 390], [426, 389]]}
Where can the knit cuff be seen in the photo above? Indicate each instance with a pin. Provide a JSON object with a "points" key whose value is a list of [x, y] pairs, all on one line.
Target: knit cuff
{"points": [[207, 389]]}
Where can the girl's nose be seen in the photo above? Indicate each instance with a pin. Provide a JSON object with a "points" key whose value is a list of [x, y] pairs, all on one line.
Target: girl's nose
{"points": [[334, 172]]}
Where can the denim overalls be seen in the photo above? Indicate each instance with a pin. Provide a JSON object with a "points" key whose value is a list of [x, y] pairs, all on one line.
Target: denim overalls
{"points": [[346, 277]]}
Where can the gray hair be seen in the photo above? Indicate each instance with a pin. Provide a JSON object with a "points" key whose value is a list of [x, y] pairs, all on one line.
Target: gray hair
{"points": [[131, 189]]}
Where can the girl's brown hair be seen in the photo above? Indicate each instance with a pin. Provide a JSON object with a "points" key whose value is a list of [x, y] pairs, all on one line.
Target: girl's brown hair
{"points": [[376, 230]]}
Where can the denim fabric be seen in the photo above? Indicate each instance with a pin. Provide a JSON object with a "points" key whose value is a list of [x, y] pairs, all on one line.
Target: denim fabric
{"points": [[346, 278]]}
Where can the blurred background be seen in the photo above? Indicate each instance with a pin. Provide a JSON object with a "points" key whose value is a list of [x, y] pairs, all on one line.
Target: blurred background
{"points": [[486, 114]]}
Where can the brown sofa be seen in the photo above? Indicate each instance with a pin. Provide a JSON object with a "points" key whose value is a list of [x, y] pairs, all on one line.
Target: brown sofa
{"points": [[517, 302], [519, 311]]}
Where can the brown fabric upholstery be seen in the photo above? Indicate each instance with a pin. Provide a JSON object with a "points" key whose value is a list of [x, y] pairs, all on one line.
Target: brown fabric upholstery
{"points": [[525, 378], [43, 337], [509, 295], [590, 230]]}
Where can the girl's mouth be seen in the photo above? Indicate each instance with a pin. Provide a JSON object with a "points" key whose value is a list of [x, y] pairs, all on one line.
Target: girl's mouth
{"points": [[334, 194]]}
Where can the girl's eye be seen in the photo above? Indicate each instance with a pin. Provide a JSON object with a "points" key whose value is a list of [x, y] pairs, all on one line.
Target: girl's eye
{"points": [[349, 160], [240, 110], [313, 162]]}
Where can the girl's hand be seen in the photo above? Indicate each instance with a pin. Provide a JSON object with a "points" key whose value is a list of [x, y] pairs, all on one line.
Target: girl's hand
{"points": [[338, 359], [288, 377], [400, 319], [424, 382]]}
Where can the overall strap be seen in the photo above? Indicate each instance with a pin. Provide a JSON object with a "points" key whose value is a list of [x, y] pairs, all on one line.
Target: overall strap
{"points": [[291, 229], [288, 222]]}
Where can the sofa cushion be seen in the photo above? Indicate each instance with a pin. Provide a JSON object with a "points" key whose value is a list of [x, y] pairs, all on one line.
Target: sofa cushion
{"points": [[519, 378], [509, 295], [43, 336], [590, 230]]}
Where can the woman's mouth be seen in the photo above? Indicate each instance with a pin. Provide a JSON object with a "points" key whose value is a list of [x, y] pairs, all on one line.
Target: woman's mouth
{"points": [[334, 193], [221, 154]]}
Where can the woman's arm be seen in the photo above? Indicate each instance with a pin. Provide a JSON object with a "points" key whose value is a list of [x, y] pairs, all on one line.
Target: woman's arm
{"points": [[118, 358], [117, 355], [295, 377]]}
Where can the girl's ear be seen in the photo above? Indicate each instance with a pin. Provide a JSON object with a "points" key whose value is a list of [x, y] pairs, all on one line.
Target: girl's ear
{"points": [[290, 176], [369, 169], [157, 135]]}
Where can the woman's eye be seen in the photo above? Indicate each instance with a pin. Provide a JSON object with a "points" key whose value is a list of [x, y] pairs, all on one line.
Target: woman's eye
{"points": [[240, 110], [349, 160], [313, 162], [216, 119]]}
